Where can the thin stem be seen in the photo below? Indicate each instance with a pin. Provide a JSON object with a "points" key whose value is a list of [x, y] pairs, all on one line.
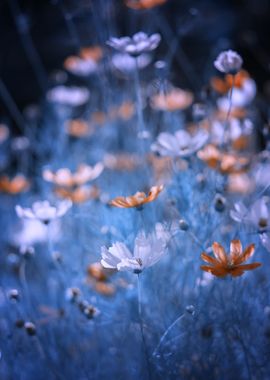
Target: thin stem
{"points": [[155, 352], [141, 126], [139, 289]]}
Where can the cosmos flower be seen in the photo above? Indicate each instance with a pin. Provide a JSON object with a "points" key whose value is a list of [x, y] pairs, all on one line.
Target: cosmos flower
{"points": [[94, 53], [225, 163], [181, 144], [64, 177], [79, 66], [236, 132], [223, 85], [240, 97], [144, 4], [44, 211], [240, 183], [71, 96], [14, 185], [78, 128], [228, 62], [173, 100], [148, 250], [121, 161], [124, 111], [138, 199], [78, 194], [224, 264], [137, 44], [257, 216], [127, 64]]}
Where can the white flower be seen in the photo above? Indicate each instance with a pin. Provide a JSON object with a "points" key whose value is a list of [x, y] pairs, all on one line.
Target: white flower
{"points": [[137, 44], [181, 144], [228, 62], [126, 63], [233, 131], [257, 216], [71, 96], [81, 67], [148, 250], [44, 211], [241, 97]]}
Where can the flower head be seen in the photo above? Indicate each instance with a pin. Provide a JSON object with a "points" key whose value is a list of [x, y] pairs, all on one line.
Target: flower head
{"points": [[181, 144], [175, 99], [71, 96], [148, 250], [138, 199], [228, 62], [144, 4], [44, 211], [78, 195], [137, 44], [229, 264], [14, 185]]}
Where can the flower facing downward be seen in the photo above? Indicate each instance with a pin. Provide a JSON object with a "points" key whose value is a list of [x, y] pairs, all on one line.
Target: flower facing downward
{"points": [[137, 44], [181, 144], [148, 250], [229, 264], [228, 62], [138, 199], [44, 211]]}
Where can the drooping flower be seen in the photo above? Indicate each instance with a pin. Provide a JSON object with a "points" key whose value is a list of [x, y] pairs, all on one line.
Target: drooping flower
{"points": [[228, 62], [138, 199], [144, 4], [44, 211], [137, 44], [64, 177], [257, 216], [224, 264], [181, 144], [148, 250], [173, 100], [14, 185]]}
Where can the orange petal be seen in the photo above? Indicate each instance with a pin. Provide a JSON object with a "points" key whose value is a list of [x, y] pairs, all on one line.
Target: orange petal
{"points": [[235, 249], [219, 272], [219, 253], [249, 251], [209, 259]]}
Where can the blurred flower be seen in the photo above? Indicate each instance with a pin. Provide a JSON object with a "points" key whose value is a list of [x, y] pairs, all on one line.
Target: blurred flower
{"points": [[223, 85], [240, 183], [80, 67], [14, 185], [64, 177], [78, 128], [162, 167], [4, 133], [173, 100], [79, 194], [137, 44], [237, 132], [98, 272], [91, 52], [121, 161], [138, 199], [126, 63], [181, 144], [240, 98], [226, 163], [124, 111], [44, 211], [258, 215], [33, 232], [71, 96], [229, 264], [144, 4], [148, 250], [228, 62]]}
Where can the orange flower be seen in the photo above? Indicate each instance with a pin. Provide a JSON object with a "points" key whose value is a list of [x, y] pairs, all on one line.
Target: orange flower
{"points": [[224, 85], [144, 4], [78, 195], [138, 199], [226, 163], [98, 272], [15, 185], [229, 264], [92, 52], [78, 128], [240, 183], [175, 99]]}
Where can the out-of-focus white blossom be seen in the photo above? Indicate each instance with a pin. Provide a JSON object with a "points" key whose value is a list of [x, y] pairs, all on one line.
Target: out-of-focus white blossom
{"points": [[126, 63], [241, 96], [71, 96], [137, 44], [228, 62]]}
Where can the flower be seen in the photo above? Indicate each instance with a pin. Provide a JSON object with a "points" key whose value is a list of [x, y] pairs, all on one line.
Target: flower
{"points": [[223, 85], [91, 52], [228, 62], [137, 44], [173, 100], [229, 264], [148, 250], [121, 161], [138, 199], [44, 211], [78, 195], [64, 177], [226, 163], [144, 4], [181, 144], [71, 96], [79, 66], [257, 216], [236, 132], [78, 128], [14, 185], [126, 63]]}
